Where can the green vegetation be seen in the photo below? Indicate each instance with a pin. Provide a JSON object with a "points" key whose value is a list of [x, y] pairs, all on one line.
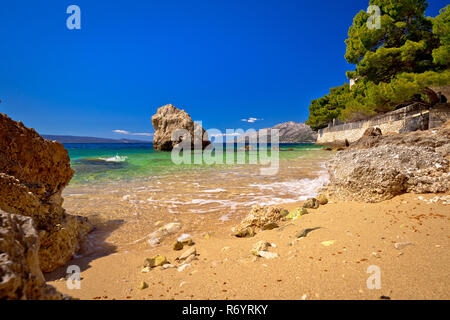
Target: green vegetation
{"points": [[395, 64]]}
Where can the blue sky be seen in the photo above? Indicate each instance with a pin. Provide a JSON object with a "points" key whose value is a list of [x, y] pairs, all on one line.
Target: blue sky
{"points": [[221, 61]]}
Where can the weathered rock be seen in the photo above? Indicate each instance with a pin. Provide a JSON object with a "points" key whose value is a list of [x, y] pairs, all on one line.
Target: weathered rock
{"points": [[60, 244], [311, 203], [268, 255], [173, 126], [20, 275], [270, 226], [372, 132], [258, 218], [33, 173], [380, 173]]}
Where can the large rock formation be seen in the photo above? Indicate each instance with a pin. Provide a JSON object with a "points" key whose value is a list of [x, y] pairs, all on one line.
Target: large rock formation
{"points": [[289, 132], [20, 275], [173, 126], [33, 173], [380, 173]]}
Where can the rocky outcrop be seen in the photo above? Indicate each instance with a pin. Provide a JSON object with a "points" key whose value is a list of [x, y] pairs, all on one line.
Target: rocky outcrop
{"points": [[437, 139], [289, 132], [20, 275], [33, 173], [382, 172], [173, 126]]}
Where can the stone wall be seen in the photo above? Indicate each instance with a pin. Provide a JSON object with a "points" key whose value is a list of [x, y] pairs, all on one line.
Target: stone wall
{"points": [[411, 118]]}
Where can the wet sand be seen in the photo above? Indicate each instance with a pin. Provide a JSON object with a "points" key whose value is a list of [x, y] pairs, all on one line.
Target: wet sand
{"points": [[363, 234]]}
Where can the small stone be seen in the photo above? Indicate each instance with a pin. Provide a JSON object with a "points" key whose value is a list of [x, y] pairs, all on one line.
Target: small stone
{"points": [[322, 199], [225, 249], [401, 245], [177, 246], [297, 213], [259, 246], [187, 253], [143, 285], [268, 255], [155, 261], [146, 270], [245, 233], [328, 243], [311, 203], [184, 266], [187, 242], [304, 232], [168, 266]]}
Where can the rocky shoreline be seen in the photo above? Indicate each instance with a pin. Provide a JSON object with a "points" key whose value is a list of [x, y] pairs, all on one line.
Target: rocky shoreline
{"points": [[37, 235]]}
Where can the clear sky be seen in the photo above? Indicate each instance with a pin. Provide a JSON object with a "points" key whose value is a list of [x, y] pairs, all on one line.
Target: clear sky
{"points": [[221, 61]]}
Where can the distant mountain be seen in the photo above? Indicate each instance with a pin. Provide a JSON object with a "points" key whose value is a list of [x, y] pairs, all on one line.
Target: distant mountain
{"points": [[290, 132], [74, 139]]}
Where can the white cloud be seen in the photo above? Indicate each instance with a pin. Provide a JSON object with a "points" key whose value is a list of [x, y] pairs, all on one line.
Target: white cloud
{"points": [[251, 120], [133, 133]]}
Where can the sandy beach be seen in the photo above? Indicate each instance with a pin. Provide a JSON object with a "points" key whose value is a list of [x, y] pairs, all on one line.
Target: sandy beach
{"points": [[331, 262]]}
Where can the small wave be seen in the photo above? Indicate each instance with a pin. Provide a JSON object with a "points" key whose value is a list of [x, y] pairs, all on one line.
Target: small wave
{"points": [[215, 190], [302, 189], [116, 158]]}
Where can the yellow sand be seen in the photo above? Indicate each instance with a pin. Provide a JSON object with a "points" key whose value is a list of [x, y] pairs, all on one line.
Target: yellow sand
{"points": [[358, 235]]}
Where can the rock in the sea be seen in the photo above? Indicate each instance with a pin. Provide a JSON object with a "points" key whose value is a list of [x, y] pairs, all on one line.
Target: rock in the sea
{"points": [[173, 126], [258, 218], [20, 274], [33, 174], [380, 173], [311, 203]]}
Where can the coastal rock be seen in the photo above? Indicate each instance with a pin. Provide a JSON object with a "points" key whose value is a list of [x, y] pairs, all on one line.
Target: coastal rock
{"points": [[33, 174], [380, 173], [258, 218], [20, 275], [60, 244], [173, 126], [190, 252]]}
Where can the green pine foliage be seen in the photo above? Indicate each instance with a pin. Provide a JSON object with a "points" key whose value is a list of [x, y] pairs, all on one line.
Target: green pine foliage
{"points": [[395, 64]]}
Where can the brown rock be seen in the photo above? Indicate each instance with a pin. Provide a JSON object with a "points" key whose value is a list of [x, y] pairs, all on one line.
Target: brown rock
{"points": [[20, 275], [173, 126], [33, 173]]}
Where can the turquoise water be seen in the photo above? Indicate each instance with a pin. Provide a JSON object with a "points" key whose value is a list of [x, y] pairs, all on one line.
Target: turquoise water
{"points": [[115, 162]]}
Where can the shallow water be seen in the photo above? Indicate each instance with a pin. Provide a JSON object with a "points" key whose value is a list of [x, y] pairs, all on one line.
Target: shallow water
{"points": [[125, 189]]}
